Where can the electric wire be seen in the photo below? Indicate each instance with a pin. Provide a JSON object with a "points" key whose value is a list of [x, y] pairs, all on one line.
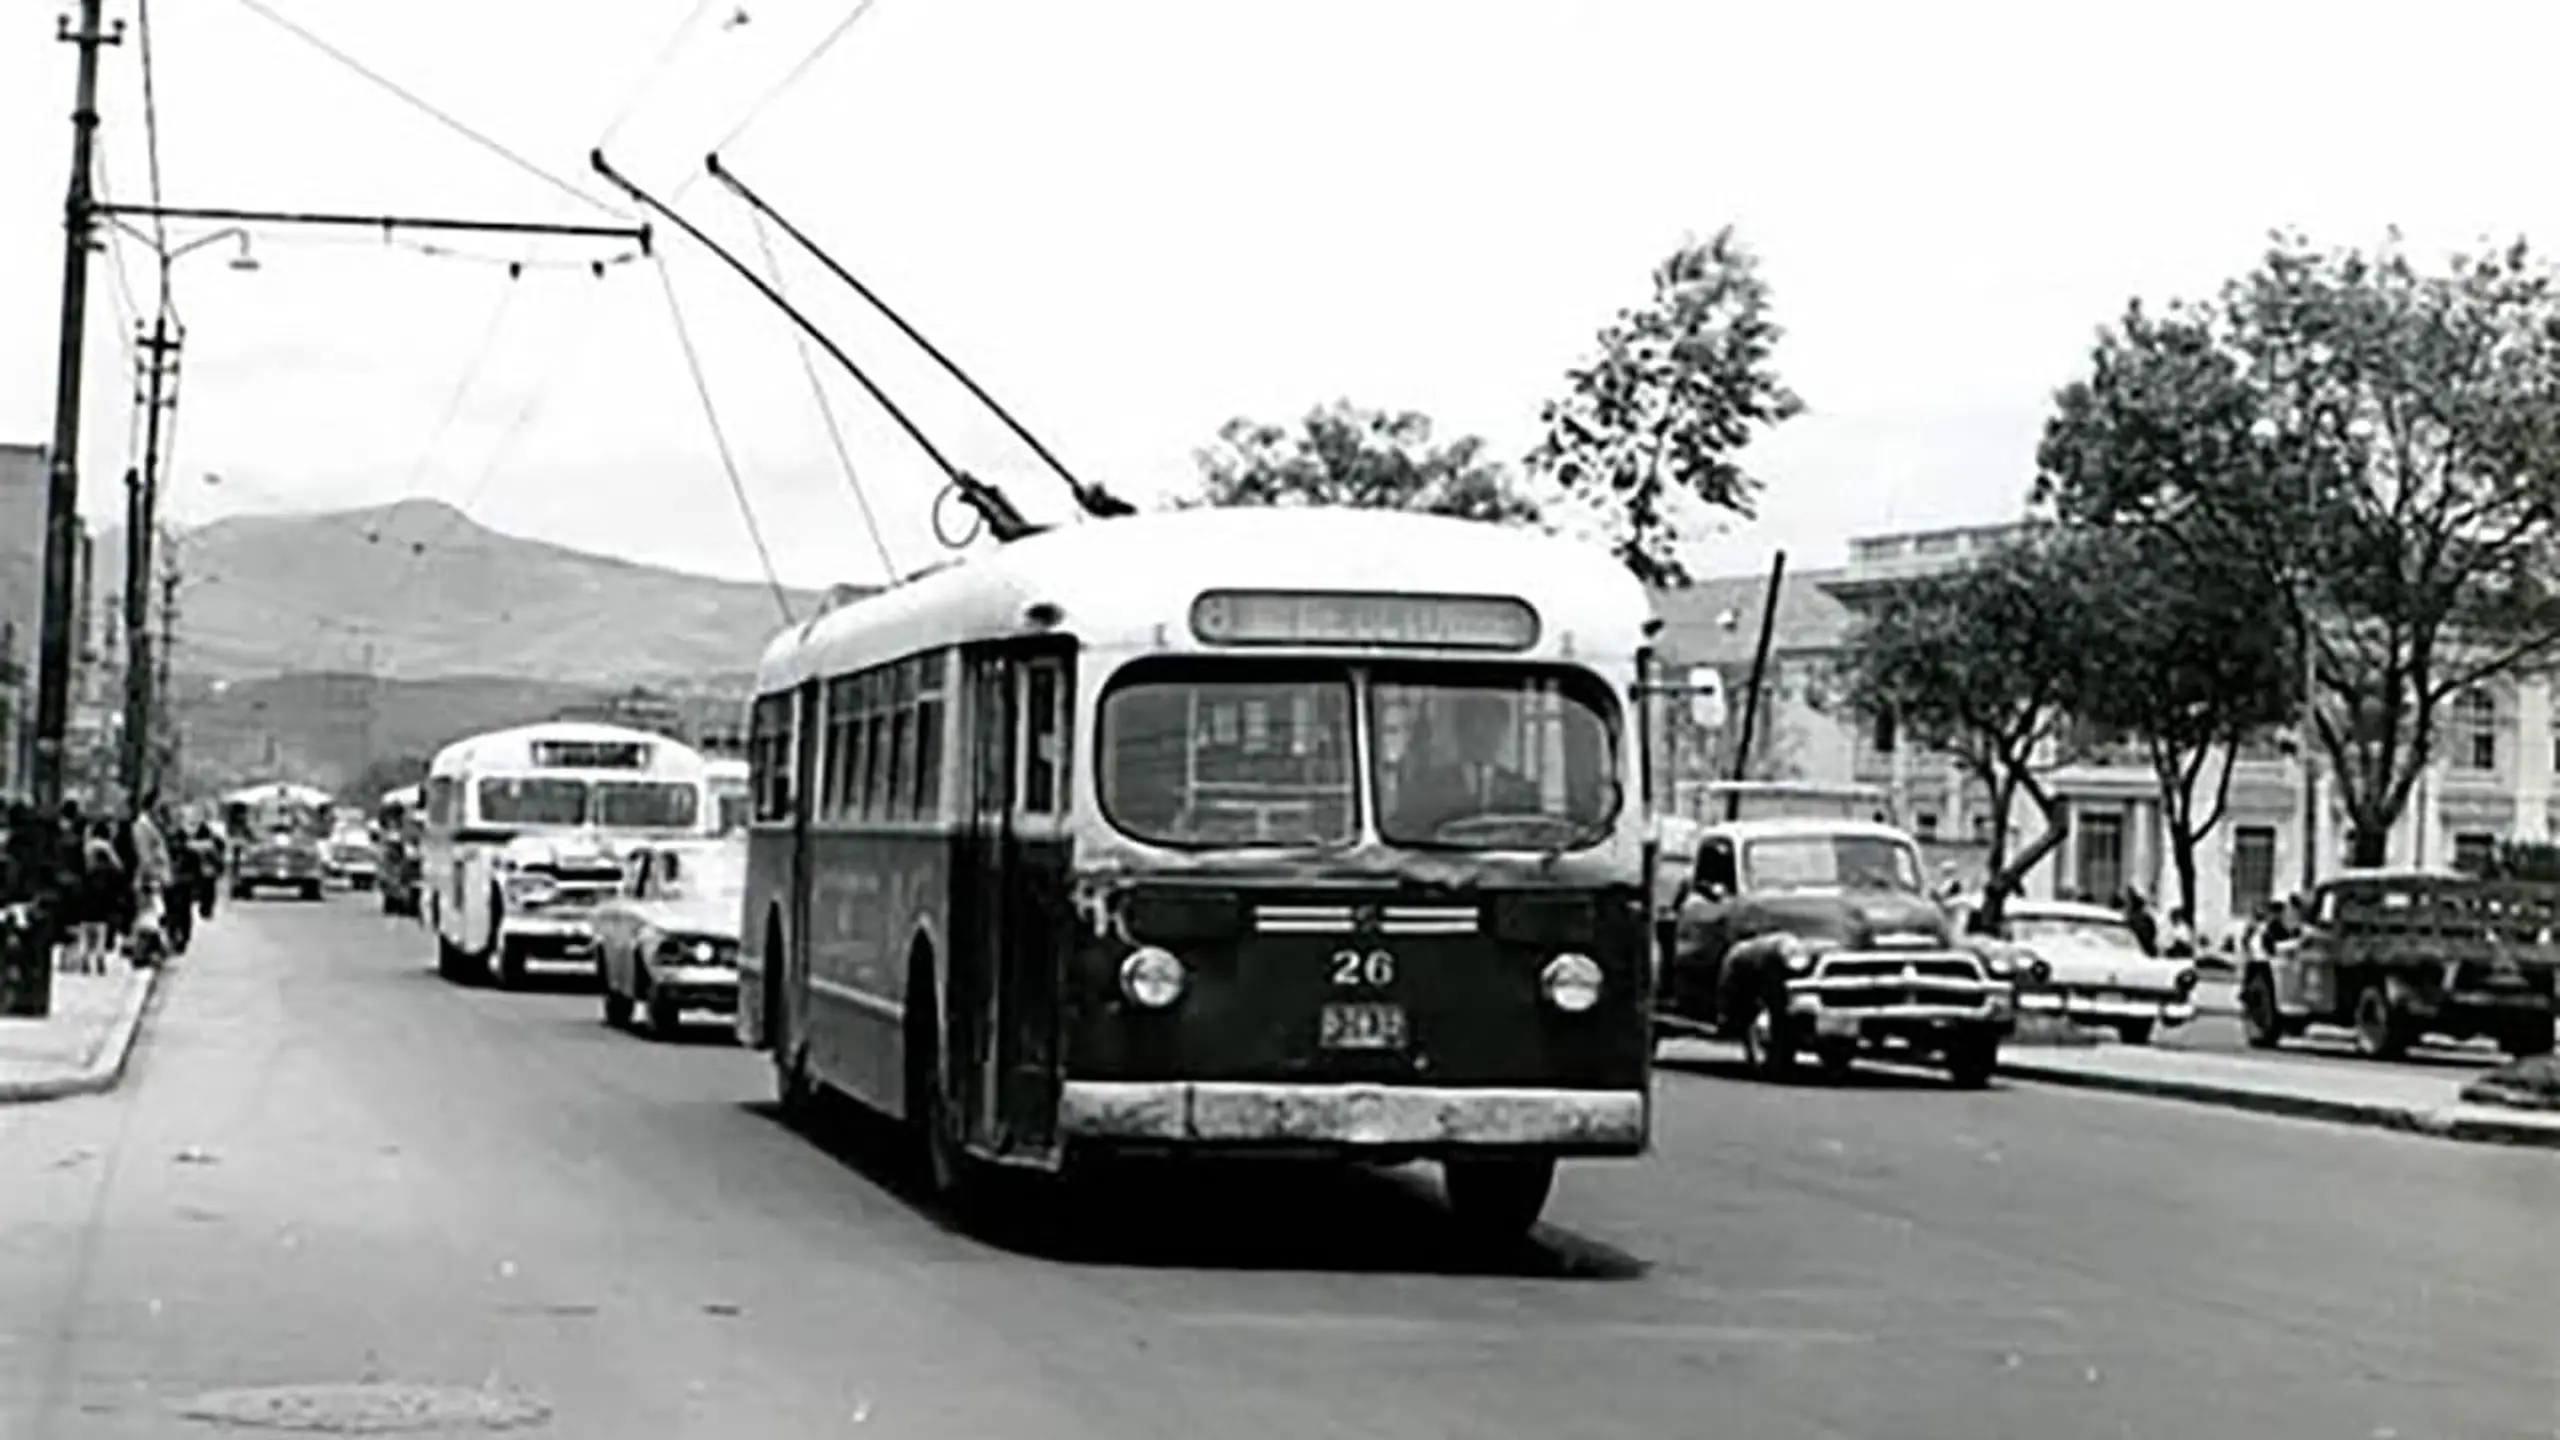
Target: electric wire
{"points": [[151, 147], [775, 91], [640, 88], [462, 387], [441, 117], [523, 417], [720, 440], [827, 411]]}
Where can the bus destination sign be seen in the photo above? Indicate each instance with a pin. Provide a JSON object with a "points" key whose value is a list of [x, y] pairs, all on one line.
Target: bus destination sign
{"points": [[591, 754], [1345, 617]]}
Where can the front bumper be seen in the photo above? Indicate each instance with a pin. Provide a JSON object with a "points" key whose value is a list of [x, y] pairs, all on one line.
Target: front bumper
{"points": [[565, 936], [696, 987], [1355, 1117], [2108, 1006], [1897, 1004]]}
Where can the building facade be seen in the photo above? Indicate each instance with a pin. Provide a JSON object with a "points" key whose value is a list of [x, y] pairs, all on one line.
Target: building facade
{"points": [[23, 482], [2492, 779]]}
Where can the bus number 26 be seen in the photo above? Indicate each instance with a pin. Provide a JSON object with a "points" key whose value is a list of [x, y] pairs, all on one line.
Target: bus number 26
{"points": [[1373, 968]]}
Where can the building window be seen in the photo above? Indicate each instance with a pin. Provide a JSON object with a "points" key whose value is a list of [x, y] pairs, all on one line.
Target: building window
{"points": [[1925, 824], [2476, 730], [1982, 827], [2253, 868], [2473, 852], [1885, 734], [2101, 854]]}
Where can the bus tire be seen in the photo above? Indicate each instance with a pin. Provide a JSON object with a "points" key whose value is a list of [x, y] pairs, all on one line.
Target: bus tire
{"points": [[1500, 1199], [948, 1168]]}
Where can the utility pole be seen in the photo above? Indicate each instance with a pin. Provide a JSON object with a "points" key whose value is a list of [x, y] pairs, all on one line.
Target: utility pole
{"points": [[62, 489], [144, 521], [165, 763]]}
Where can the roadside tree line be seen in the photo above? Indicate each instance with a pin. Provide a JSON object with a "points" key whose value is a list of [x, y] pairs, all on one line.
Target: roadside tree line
{"points": [[2341, 472]]}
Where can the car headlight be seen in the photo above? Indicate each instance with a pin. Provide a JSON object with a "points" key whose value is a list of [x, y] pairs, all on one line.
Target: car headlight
{"points": [[1571, 982], [2187, 980], [2000, 963], [1152, 977], [1800, 953], [531, 890]]}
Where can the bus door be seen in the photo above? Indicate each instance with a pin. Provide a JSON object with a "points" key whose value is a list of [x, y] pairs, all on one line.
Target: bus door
{"points": [[801, 768], [1006, 978]]}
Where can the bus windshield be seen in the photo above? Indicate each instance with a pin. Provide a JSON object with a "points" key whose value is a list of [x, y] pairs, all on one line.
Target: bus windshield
{"points": [[1227, 753], [610, 804]]}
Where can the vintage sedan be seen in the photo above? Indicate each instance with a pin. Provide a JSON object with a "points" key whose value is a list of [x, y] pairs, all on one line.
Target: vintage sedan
{"points": [[668, 942], [2091, 969], [351, 858], [282, 859]]}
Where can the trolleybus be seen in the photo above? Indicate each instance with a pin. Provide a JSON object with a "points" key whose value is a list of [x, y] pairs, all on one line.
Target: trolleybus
{"points": [[1303, 831], [525, 832]]}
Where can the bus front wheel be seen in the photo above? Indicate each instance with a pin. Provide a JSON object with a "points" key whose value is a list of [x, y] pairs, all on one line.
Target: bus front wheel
{"points": [[949, 1169], [1499, 1199]]}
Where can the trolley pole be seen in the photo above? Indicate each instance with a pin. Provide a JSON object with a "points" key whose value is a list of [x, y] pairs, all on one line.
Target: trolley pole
{"points": [[62, 487]]}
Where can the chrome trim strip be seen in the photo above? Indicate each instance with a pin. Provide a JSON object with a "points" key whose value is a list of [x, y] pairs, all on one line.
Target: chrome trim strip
{"points": [[1353, 1115], [878, 1005]]}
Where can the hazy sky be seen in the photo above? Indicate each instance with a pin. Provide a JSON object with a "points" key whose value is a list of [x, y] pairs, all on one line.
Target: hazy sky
{"points": [[1134, 220]]}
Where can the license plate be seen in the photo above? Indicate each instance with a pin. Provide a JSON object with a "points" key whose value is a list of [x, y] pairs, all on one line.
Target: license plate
{"points": [[1833, 1025], [1363, 1027]]}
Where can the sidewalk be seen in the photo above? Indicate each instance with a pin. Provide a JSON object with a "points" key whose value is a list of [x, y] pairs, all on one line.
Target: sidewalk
{"points": [[2386, 1096], [81, 1047]]}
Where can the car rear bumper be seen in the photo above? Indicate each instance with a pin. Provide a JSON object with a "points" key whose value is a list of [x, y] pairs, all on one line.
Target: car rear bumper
{"points": [[550, 936], [1355, 1117]]}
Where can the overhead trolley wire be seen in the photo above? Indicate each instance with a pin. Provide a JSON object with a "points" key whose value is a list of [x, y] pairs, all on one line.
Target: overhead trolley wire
{"points": [[151, 146], [648, 79], [775, 91], [720, 439], [462, 387], [827, 411], [441, 117]]}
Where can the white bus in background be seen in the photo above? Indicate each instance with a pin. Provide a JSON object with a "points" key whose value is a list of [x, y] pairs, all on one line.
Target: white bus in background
{"points": [[526, 831], [729, 792]]}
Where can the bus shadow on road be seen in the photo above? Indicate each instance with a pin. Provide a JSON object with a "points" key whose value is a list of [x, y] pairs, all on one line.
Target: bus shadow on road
{"points": [[1866, 1075], [1220, 1214]]}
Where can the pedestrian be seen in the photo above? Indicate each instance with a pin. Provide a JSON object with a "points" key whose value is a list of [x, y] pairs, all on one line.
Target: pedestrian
{"points": [[186, 877], [2180, 944], [213, 860], [2144, 924], [149, 942], [105, 890]]}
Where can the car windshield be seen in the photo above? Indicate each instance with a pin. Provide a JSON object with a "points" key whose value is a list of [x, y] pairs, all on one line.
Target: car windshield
{"points": [[1482, 761], [1231, 754], [2086, 930], [1831, 862], [647, 805], [1227, 755], [532, 800]]}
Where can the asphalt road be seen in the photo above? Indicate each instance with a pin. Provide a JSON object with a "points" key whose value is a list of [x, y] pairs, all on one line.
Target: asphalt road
{"points": [[328, 1169]]}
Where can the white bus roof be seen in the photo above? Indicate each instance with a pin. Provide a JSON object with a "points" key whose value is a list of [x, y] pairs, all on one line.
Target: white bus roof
{"points": [[728, 767], [283, 792], [1132, 580], [514, 747]]}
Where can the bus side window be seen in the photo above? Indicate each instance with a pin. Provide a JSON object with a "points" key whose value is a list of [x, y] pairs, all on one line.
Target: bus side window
{"points": [[1043, 738]]}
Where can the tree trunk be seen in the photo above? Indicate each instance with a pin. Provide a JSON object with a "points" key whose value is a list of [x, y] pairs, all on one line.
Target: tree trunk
{"points": [[2182, 854], [2369, 845]]}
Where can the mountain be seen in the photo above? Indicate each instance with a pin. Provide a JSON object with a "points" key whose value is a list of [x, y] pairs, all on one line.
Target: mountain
{"points": [[429, 592]]}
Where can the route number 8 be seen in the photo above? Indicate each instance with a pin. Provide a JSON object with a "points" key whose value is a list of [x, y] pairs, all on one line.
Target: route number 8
{"points": [[1374, 968]]}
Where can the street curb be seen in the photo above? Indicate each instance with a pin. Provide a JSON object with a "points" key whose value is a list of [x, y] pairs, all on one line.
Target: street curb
{"points": [[2445, 1122], [106, 1067]]}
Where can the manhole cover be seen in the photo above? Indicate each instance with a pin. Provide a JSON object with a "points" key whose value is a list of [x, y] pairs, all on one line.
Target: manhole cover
{"points": [[367, 1409]]}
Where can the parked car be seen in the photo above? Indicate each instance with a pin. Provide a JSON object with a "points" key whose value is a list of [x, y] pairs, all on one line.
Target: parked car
{"points": [[668, 941], [2084, 963], [1816, 934], [281, 859]]}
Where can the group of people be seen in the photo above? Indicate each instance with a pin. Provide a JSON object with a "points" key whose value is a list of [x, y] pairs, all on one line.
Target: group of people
{"points": [[94, 889]]}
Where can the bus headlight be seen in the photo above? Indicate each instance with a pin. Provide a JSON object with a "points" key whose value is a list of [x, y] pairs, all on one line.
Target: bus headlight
{"points": [[1571, 983], [1152, 977], [2187, 981]]}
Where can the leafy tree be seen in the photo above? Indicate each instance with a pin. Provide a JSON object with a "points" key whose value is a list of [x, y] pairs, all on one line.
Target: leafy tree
{"points": [[2189, 664], [1982, 664], [1343, 454], [2185, 663], [383, 775], [2399, 486], [1652, 427]]}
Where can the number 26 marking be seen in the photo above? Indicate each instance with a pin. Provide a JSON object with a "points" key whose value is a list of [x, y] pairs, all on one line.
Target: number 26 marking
{"points": [[1374, 968]]}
